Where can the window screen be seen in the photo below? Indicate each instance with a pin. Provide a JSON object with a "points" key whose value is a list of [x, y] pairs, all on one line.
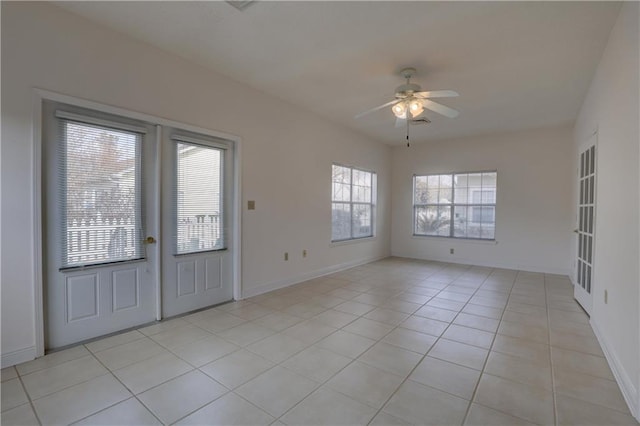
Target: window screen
{"points": [[458, 205], [199, 198]]}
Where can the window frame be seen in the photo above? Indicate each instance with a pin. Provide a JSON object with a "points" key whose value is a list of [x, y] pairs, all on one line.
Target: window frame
{"points": [[351, 203], [452, 205]]}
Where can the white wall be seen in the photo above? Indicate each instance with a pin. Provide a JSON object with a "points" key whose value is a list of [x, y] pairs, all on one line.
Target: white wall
{"points": [[533, 206], [286, 153], [611, 108]]}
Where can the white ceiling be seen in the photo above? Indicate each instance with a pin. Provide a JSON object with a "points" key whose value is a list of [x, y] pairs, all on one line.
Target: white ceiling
{"points": [[516, 65]]}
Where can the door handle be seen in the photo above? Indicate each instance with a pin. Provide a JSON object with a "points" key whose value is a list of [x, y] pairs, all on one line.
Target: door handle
{"points": [[576, 231], [149, 240]]}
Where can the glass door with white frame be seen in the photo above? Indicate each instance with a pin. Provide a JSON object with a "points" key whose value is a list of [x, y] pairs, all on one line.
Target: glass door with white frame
{"points": [[585, 230]]}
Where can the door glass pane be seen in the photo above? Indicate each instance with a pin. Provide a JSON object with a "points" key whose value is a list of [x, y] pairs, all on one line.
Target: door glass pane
{"points": [[580, 246], [102, 209], [199, 198], [579, 272]]}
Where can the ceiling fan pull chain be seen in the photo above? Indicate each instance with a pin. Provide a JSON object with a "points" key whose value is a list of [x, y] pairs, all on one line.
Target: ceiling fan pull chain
{"points": [[408, 144]]}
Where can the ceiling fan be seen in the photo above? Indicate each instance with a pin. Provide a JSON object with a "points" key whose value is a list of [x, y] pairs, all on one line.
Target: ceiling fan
{"points": [[410, 101]]}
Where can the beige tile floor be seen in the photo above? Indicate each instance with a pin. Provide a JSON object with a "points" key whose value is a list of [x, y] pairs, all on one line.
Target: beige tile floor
{"points": [[392, 342]]}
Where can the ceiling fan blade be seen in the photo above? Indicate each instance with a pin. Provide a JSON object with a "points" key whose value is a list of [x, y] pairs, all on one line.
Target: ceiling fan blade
{"points": [[401, 122], [440, 109], [437, 94], [393, 102]]}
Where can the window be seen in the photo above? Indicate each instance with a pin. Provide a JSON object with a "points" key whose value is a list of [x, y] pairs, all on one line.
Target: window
{"points": [[456, 205], [100, 196], [199, 198], [352, 203]]}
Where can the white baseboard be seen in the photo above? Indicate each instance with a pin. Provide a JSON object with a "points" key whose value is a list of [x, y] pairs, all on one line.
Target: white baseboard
{"points": [[629, 391], [19, 356], [461, 261], [275, 285]]}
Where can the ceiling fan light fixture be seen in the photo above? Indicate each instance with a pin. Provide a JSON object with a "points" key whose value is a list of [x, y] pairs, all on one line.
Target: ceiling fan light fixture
{"points": [[400, 110], [415, 107]]}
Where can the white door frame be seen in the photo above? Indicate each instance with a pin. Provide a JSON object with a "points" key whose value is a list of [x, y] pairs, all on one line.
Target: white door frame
{"points": [[40, 95]]}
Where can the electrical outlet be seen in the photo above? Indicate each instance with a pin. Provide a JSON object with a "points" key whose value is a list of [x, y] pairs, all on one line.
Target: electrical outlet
{"points": [[304, 253], [286, 256], [451, 251], [606, 297], [251, 205]]}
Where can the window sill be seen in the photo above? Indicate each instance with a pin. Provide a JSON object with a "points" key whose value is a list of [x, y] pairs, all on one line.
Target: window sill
{"points": [[351, 241], [452, 239]]}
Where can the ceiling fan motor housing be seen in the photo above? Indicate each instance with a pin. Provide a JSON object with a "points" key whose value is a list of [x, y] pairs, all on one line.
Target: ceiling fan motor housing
{"points": [[406, 90]]}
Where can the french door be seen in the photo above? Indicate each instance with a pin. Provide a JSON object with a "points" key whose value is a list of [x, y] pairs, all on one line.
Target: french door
{"points": [[197, 261], [586, 223], [112, 250]]}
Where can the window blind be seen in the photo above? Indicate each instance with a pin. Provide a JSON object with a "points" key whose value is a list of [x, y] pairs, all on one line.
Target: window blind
{"points": [[198, 197], [100, 193]]}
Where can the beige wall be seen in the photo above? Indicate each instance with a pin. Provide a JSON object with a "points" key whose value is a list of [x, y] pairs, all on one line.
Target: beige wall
{"points": [[611, 108], [286, 153], [533, 205]]}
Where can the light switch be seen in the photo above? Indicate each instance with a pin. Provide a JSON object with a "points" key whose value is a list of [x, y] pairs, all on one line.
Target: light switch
{"points": [[251, 205]]}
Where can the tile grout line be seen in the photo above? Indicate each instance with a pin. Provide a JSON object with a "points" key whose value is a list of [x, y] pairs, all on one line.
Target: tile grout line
{"points": [[484, 365], [333, 375], [68, 386], [395, 327], [490, 350], [133, 395], [353, 360], [288, 369], [486, 360], [553, 379], [428, 351], [24, 389]]}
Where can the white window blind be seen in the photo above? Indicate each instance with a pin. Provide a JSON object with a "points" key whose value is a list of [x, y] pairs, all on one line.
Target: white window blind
{"points": [[457, 205], [100, 192], [199, 198], [352, 203]]}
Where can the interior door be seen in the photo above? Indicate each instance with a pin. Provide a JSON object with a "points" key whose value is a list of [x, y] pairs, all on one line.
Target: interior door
{"points": [[98, 188], [586, 223], [197, 185]]}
